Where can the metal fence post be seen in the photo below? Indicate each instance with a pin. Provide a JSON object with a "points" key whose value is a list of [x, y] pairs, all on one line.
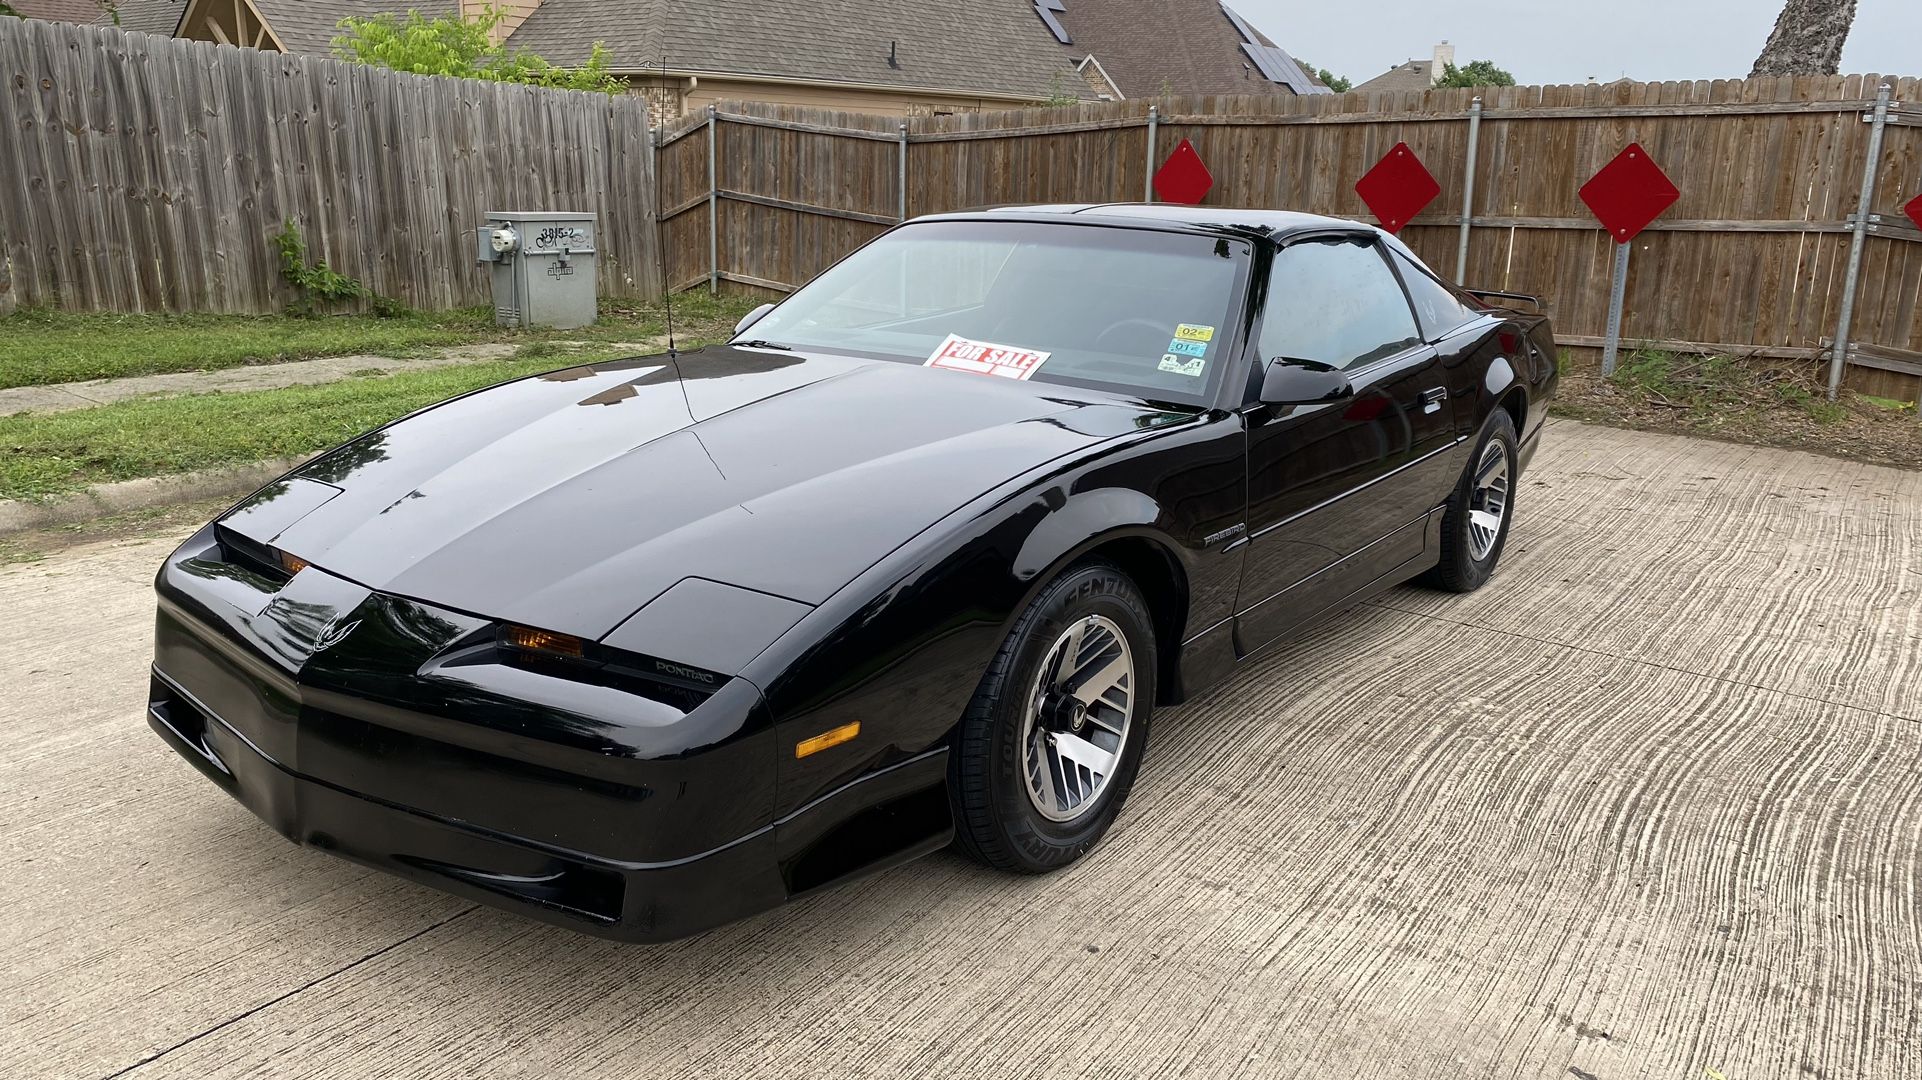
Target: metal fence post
{"points": [[713, 209], [1148, 174], [1880, 120], [1468, 188], [901, 177], [660, 224], [1617, 300]]}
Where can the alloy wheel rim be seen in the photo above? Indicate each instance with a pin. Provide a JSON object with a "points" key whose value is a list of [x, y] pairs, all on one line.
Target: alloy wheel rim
{"points": [[1488, 504], [1077, 719]]}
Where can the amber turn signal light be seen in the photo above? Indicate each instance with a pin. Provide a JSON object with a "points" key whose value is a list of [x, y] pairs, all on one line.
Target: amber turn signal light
{"points": [[293, 564], [526, 637], [829, 738]]}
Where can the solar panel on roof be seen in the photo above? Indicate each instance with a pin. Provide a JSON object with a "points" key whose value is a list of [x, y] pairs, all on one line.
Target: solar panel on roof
{"points": [[1274, 64], [1248, 33], [1047, 9]]}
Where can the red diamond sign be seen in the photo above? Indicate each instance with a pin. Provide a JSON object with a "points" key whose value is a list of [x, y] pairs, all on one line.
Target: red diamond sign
{"points": [[1628, 193], [1397, 188], [1914, 210], [1183, 178]]}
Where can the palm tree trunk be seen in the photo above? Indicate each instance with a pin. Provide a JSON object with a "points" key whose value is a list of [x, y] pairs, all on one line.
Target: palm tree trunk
{"points": [[1808, 39]]}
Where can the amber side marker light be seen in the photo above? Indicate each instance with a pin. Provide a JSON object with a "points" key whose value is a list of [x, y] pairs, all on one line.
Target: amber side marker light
{"points": [[829, 738], [526, 637], [293, 564]]}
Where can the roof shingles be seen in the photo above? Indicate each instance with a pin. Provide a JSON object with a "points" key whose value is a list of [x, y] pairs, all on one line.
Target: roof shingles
{"points": [[980, 46], [310, 26], [73, 11], [145, 16], [1408, 75], [1150, 47]]}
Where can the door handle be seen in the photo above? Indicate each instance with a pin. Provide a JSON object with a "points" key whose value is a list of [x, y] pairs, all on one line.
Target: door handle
{"points": [[1431, 399]]}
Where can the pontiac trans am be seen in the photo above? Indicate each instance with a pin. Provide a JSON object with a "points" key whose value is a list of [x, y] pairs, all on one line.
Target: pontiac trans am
{"points": [[646, 646]]}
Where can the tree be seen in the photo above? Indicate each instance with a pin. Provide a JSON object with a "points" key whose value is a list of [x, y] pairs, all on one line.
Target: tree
{"points": [[1478, 73], [1807, 39], [1340, 84], [462, 47], [7, 9]]}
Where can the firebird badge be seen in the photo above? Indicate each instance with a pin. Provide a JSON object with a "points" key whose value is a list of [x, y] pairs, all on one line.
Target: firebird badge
{"points": [[1228, 533], [335, 634]]}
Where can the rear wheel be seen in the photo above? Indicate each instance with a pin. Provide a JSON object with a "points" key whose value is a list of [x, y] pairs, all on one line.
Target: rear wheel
{"points": [[1475, 524], [1051, 742]]}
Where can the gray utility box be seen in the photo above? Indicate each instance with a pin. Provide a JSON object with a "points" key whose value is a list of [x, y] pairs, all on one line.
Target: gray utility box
{"points": [[543, 268]]}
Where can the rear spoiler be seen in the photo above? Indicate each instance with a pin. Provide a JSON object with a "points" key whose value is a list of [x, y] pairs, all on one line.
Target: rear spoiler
{"points": [[1492, 298]]}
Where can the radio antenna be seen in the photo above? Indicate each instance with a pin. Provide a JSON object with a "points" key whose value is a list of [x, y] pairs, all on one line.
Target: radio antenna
{"points": [[660, 240]]}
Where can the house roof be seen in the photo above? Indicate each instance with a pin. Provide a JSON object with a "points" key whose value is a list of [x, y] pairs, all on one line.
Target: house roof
{"points": [[310, 26], [1408, 75], [77, 11], [145, 16], [1149, 47], [973, 46]]}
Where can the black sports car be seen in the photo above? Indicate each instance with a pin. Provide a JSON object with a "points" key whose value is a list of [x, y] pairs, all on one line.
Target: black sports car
{"points": [[643, 647]]}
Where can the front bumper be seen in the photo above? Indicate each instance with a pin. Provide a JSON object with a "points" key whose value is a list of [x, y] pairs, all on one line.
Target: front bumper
{"points": [[611, 898], [373, 727], [886, 818]]}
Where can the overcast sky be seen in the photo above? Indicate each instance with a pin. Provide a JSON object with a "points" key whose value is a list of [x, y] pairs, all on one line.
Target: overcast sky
{"points": [[1554, 41]]}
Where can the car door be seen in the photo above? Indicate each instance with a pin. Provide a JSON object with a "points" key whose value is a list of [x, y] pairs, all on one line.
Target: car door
{"points": [[1339, 492]]}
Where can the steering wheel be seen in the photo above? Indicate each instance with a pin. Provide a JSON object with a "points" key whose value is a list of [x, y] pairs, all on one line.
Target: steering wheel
{"points": [[1154, 330]]}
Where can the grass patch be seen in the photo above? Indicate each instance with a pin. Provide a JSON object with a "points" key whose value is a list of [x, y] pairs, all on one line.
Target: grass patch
{"points": [[42, 347], [44, 455], [172, 522], [1725, 385], [1768, 402], [38, 348]]}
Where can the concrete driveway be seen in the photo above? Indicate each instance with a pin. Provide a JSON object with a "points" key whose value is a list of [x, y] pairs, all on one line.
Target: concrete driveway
{"points": [[1650, 805]]}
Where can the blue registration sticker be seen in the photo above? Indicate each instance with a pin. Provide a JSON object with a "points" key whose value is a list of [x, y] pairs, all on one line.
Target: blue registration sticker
{"points": [[1188, 348]]}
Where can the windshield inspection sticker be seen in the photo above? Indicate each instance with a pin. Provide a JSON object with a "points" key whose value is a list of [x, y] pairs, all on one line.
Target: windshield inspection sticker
{"points": [[1183, 365], [1188, 348], [959, 354], [1192, 332]]}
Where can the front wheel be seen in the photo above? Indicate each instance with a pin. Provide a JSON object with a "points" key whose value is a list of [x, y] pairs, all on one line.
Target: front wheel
{"points": [[1475, 523], [1051, 742]]}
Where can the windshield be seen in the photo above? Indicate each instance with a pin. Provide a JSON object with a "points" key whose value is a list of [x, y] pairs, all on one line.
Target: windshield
{"points": [[1137, 311]]}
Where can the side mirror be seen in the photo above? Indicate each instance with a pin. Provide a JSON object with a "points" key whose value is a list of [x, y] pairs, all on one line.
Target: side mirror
{"points": [[751, 318], [1303, 382]]}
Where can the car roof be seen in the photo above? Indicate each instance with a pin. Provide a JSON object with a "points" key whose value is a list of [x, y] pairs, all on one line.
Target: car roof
{"points": [[1278, 224]]}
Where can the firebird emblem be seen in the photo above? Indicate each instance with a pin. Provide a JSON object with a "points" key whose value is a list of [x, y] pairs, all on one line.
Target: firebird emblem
{"points": [[335, 634]]}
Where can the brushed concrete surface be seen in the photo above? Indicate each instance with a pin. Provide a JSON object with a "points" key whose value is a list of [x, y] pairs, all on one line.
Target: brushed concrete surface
{"points": [[1648, 805]]}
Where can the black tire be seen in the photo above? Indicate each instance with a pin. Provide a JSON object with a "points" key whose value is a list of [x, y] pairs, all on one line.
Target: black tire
{"points": [[1460, 569], [995, 820]]}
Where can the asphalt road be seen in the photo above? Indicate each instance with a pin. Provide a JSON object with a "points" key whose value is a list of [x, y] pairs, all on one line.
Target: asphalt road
{"points": [[1649, 805]]}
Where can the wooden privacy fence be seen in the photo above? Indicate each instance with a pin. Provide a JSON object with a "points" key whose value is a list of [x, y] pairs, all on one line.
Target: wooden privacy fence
{"points": [[1752, 261], [140, 173]]}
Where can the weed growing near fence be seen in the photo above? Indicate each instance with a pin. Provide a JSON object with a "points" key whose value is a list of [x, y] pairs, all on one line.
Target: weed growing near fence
{"points": [[1727, 384], [1770, 402], [316, 285]]}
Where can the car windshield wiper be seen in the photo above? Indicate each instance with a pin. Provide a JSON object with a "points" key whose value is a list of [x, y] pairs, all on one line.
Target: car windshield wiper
{"points": [[759, 343]]}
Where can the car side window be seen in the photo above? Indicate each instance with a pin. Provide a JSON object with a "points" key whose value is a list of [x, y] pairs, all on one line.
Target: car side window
{"points": [[1438, 308], [1334, 301]]}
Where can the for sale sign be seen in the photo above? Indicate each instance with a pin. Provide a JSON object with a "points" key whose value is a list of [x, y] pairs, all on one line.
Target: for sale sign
{"points": [[984, 358]]}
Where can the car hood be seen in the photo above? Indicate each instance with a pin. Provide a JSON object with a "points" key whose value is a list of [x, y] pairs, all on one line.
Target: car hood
{"points": [[569, 500]]}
